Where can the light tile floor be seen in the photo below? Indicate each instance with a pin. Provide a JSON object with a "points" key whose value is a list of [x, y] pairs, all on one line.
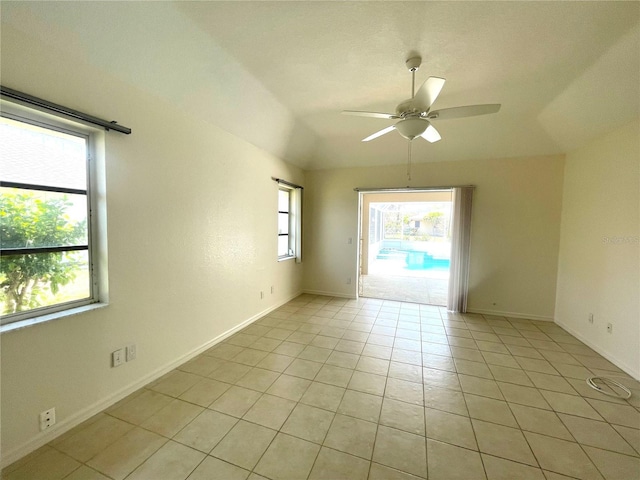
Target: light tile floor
{"points": [[328, 388]]}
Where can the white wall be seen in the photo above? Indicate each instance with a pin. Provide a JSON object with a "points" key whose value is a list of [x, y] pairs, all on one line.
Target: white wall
{"points": [[191, 235], [599, 261], [515, 228]]}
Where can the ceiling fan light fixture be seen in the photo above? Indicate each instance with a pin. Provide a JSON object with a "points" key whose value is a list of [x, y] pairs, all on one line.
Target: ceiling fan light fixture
{"points": [[415, 114], [413, 127]]}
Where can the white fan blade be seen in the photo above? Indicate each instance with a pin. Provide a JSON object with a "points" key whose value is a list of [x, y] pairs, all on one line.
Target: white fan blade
{"points": [[466, 111], [370, 114], [431, 134], [428, 93], [380, 133]]}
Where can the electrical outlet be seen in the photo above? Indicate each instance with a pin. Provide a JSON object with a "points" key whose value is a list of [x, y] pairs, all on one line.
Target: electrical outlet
{"points": [[349, 281], [591, 318], [117, 357], [261, 295], [609, 328], [47, 418], [131, 352], [271, 289]]}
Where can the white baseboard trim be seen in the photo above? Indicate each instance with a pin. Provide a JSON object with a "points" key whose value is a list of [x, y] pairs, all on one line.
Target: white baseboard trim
{"points": [[68, 423], [499, 313], [633, 371], [329, 294]]}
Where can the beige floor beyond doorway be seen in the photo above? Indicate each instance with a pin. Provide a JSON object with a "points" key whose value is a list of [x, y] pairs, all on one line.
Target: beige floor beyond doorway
{"points": [[431, 291]]}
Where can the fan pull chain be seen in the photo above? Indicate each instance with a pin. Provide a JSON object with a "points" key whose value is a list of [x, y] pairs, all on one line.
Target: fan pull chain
{"points": [[409, 163]]}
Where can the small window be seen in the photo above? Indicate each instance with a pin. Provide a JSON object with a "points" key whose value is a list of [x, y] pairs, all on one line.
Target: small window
{"points": [[289, 222], [45, 219], [284, 223]]}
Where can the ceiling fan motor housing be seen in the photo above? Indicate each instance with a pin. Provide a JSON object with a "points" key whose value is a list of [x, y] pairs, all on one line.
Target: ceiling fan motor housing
{"points": [[407, 108]]}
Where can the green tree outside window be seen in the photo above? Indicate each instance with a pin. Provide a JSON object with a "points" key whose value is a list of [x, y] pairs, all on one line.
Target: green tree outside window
{"points": [[27, 220]]}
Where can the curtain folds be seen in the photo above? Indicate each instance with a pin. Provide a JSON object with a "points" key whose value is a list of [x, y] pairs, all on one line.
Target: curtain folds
{"points": [[460, 249], [297, 215]]}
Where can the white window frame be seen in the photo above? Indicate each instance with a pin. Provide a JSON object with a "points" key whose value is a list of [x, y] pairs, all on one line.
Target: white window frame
{"points": [[295, 223], [96, 217]]}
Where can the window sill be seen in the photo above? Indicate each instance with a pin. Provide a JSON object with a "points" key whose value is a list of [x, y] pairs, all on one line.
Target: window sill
{"points": [[284, 259], [29, 322]]}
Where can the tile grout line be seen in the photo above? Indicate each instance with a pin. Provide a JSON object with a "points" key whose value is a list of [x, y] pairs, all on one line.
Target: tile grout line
{"points": [[301, 322]]}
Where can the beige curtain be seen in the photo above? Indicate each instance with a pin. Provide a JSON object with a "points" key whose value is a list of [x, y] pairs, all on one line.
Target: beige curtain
{"points": [[460, 248], [297, 216]]}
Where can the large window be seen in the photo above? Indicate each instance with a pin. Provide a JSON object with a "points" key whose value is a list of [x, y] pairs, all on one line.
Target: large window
{"points": [[45, 219], [289, 222]]}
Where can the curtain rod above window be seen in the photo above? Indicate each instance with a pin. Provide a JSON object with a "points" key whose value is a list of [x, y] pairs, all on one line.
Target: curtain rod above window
{"points": [[68, 112], [284, 182], [404, 189]]}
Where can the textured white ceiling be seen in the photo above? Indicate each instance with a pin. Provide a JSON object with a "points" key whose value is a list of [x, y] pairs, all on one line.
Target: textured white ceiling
{"points": [[278, 73]]}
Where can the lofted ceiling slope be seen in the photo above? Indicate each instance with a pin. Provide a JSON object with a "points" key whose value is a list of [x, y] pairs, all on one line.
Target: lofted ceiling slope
{"points": [[278, 73]]}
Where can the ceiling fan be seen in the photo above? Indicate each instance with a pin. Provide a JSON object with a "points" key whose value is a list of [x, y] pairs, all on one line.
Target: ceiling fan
{"points": [[415, 115]]}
